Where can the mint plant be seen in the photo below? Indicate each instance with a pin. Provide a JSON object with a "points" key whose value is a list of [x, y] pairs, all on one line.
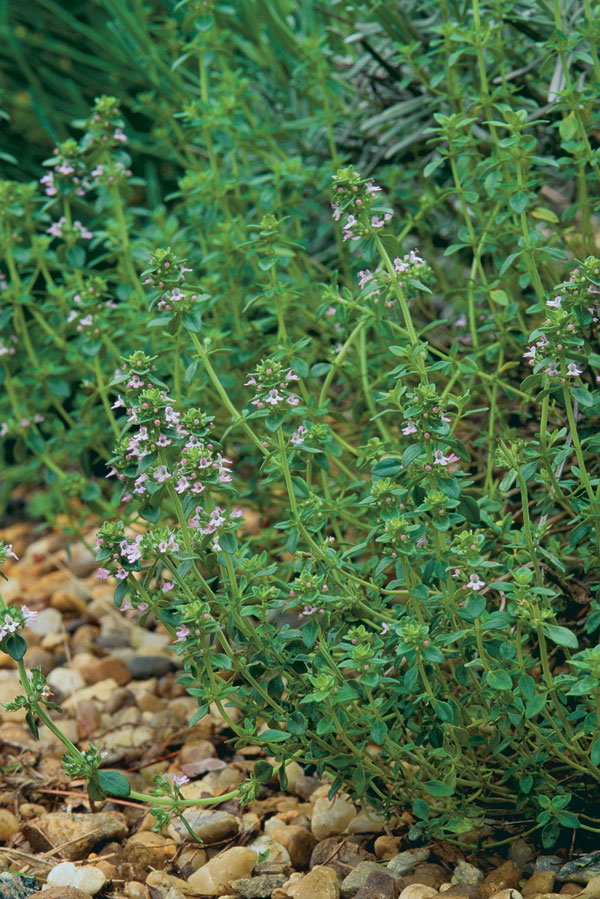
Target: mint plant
{"points": [[338, 404]]}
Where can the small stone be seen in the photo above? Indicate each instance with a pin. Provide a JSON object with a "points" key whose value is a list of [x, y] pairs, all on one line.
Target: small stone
{"points": [[65, 893], [358, 877], [13, 886], [521, 854], [379, 885], [101, 669], [467, 873], [462, 891], [547, 863], [208, 825], [363, 823], [68, 601], [507, 894], [88, 718], [136, 890], [36, 657], [10, 688], [29, 810], [341, 855], [218, 874], [299, 843], [386, 847], [407, 861], [592, 890], [582, 868], [143, 667], [109, 870], [540, 882], [147, 849], [101, 692], [429, 874], [76, 834], [48, 621], [65, 680], [276, 851], [506, 877], [305, 786], [321, 882], [9, 825], [331, 817], [258, 887], [571, 889], [164, 882], [87, 878], [418, 891]]}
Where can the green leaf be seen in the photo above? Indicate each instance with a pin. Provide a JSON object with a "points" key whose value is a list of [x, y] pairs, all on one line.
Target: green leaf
{"points": [[296, 723], [518, 202], [378, 732], [421, 809], [262, 771], [500, 297], [561, 635], [386, 468], [568, 819], [228, 543], [320, 369], [150, 513], [438, 788], [583, 397], [595, 753], [192, 321], [274, 736], [410, 453], [535, 706], [499, 680], [75, 256], [444, 711], [16, 646], [114, 783]]}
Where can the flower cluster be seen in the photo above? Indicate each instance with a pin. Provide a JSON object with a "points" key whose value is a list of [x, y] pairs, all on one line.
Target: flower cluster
{"points": [[557, 345], [355, 198], [413, 269], [68, 171], [69, 232], [13, 620], [271, 382]]}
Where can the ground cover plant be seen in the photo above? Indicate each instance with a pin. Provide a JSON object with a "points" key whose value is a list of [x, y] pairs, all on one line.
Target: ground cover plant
{"points": [[330, 378]]}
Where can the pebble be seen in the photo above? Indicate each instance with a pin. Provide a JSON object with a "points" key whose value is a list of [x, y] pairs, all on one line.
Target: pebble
{"points": [[10, 687], [82, 832], [68, 601], [363, 823], [298, 841], [462, 891], [101, 669], [467, 873], [321, 882], [341, 855], [540, 882], [143, 667], [582, 868], [547, 863], [48, 621], [418, 891], [358, 877], [101, 692], [305, 786], [217, 875], [379, 885], [208, 825], [149, 641], [592, 890], [13, 886], [66, 680], [87, 878], [269, 849], [507, 894], [521, 854], [258, 887], [36, 657], [407, 861], [136, 890], [386, 847], [9, 825], [506, 877], [331, 817], [65, 893], [429, 874], [149, 849]]}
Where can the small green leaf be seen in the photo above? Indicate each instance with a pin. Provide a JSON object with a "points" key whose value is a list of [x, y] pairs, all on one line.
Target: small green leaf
{"points": [[16, 646], [262, 771], [561, 635], [274, 736], [114, 783], [228, 543], [437, 788], [499, 680]]}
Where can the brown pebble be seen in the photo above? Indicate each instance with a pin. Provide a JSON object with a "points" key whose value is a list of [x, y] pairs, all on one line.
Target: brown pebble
{"points": [[299, 843], [507, 876], [120, 698], [108, 869], [136, 890], [88, 718], [65, 893], [539, 882], [105, 668], [570, 889], [28, 810], [68, 601], [9, 825], [428, 874], [387, 847]]}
